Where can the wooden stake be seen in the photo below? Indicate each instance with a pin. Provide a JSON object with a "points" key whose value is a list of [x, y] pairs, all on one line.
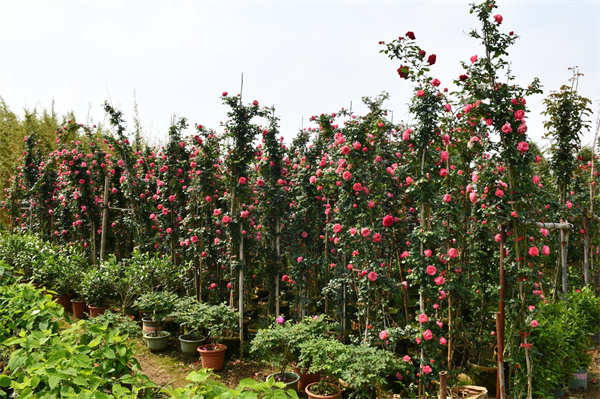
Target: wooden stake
{"points": [[104, 219]]}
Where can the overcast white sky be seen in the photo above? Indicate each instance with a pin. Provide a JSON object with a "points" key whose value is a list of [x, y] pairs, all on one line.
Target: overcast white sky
{"points": [[304, 57]]}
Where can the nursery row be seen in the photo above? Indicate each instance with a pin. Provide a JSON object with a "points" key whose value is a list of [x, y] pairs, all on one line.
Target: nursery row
{"points": [[45, 354], [557, 337]]}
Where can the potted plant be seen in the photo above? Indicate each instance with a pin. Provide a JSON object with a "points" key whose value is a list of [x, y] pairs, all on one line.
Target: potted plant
{"points": [[320, 355], [279, 345], [157, 306], [217, 321], [129, 281], [191, 316], [97, 289]]}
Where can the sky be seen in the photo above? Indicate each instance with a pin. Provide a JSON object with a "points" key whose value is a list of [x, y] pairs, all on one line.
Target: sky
{"points": [[175, 58]]}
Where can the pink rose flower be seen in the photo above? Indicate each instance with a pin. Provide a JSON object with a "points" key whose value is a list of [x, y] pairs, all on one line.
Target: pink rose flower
{"points": [[388, 220], [534, 323], [447, 198], [427, 369], [499, 193], [534, 251], [347, 175], [448, 107], [427, 335], [352, 230], [372, 276], [406, 358], [226, 219], [519, 115], [546, 250], [473, 196], [452, 253], [522, 129], [312, 179], [439, 280], [427, 252], [409, 180], [431, 270], [423, 318], [498, 18], [280, 320], [242, 180], [506, 128], [406, 134], [365, 232], [420, 93], [443, 341], [473, 59], [444, 155], [523, 146], [345, 150], [337, 228], [376, 237], [383, 335], [357, 187]]}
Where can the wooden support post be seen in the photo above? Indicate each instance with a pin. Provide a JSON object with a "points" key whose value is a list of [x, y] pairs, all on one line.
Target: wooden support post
{"points": [[500, 320], [104, 219]]}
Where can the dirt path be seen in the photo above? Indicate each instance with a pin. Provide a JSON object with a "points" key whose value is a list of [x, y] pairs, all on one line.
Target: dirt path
{"points": [[171, 366]]}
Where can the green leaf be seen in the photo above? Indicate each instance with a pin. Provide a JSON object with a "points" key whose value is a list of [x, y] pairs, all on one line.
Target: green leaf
{"points": [[100, 395], [109, 353], [79, 380], [54, 380], [4, 381]]}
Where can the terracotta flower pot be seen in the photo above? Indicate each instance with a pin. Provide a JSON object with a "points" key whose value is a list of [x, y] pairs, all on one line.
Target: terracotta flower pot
{"points": [[305, 378], [64, 301], [79, 309], [315, 396], [97, 311], [212, 358]]}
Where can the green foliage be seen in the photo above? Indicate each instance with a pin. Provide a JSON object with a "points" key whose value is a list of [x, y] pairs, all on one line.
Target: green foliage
{"points": [[558, 345], [117, 321], [48, 360], [279, 344], [204, 386], [567, 112], [361, 367], [156, 304], [98, 285]]}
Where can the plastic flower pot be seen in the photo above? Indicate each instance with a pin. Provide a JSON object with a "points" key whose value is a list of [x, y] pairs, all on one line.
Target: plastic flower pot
{"points": [[579, 380], [190, 343], [312, 395], [289, 379], [213, 357], [79, 309], [148, 325], [97, 311], [157, 340]]}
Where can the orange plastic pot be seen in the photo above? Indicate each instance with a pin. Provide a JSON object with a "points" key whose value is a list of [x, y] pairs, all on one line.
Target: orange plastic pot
{"points": [[212, 358]]}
